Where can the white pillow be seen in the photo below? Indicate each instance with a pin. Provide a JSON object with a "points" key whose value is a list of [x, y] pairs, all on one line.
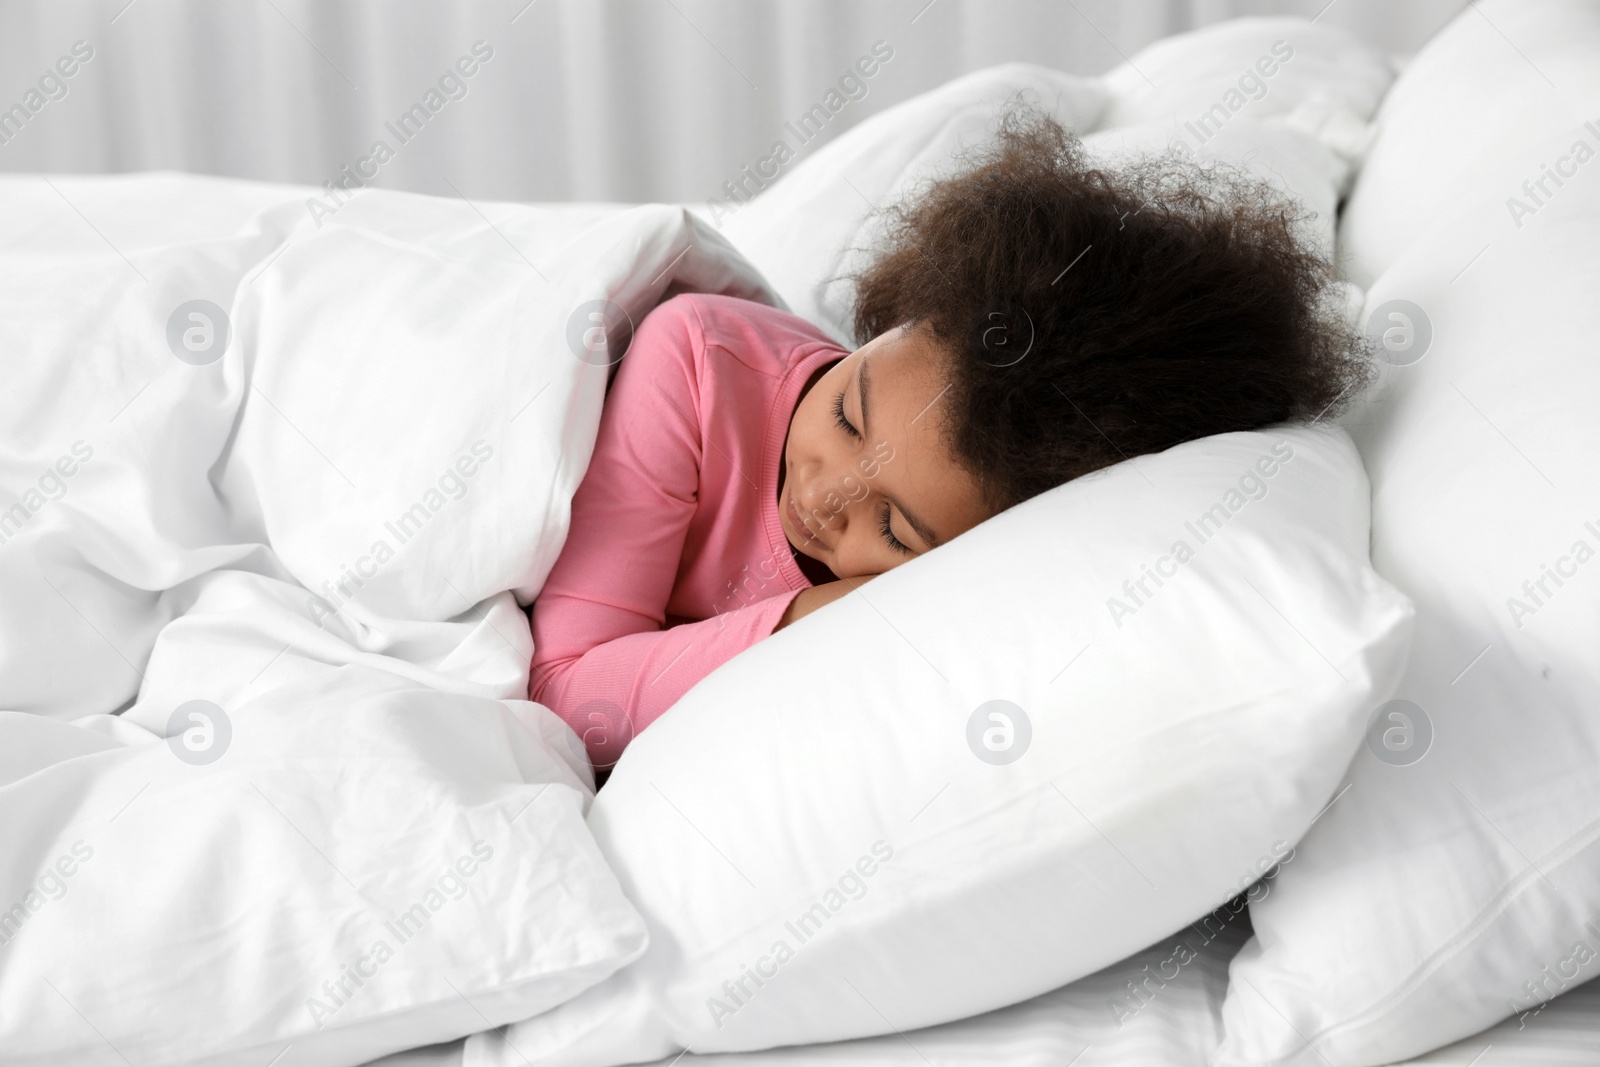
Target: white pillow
{"points": [[1458, 879], [811, 228], [1284, 99], [169, 911], [1258, 68], [1299, 165], [841, 787], [1503, 75], [801, 232]]}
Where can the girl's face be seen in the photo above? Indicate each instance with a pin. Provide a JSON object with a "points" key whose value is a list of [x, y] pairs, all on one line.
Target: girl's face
{"points": [[867, 483]]}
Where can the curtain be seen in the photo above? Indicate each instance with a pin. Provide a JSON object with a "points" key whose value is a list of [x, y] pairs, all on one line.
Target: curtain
{"points": [[619, 100]]}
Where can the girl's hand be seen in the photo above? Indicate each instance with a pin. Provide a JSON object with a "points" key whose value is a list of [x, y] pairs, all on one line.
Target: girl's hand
{"points": [[811, 599]]}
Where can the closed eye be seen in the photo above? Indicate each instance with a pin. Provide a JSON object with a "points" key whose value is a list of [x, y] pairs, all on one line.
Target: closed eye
{"points": [[838, 416], [888, 534]]}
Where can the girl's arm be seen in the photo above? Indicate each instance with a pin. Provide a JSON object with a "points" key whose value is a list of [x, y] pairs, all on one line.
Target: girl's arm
{"points": [[817, 596], [602, 661]]}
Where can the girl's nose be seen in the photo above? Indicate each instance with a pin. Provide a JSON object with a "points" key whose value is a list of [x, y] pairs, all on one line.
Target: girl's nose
{"points": [[828, 515]]}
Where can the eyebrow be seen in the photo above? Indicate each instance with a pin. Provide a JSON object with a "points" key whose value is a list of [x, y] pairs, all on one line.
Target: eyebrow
{"points": [[924, 531]]}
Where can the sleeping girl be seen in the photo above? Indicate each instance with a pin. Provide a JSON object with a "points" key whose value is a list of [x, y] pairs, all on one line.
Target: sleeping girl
{"points": [[1024, 322]]}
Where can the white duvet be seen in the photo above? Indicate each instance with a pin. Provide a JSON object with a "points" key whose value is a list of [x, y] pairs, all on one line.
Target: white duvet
{"points": [[271, 486]]}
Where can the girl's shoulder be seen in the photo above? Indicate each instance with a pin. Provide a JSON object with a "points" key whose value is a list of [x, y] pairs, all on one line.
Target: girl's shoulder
{"points": [[760, 337]]}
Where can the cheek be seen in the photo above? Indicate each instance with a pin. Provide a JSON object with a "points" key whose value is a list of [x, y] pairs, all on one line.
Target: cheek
{"points": [[794, 444], [807, 429], [817, 445], [856, 555], [865, 553]]}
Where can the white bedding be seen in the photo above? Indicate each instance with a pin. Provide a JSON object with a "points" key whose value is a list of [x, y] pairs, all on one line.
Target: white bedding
{"points": [[169, 567], [290, 553], [1177, 1025]]}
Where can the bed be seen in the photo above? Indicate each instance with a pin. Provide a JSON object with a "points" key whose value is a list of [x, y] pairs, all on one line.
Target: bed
{"points": [[206, 527], [1076, 1025]]}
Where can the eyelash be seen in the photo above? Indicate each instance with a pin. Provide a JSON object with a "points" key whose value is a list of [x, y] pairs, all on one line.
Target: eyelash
{"points": [[838, 416], [888, 534], [889, 538]]}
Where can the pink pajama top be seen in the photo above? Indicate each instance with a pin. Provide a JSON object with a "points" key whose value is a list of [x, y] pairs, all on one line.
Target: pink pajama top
{"points": [[676, 559]]}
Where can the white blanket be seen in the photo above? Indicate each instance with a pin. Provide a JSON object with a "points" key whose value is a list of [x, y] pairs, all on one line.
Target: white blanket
{"points": [[273, 481]]}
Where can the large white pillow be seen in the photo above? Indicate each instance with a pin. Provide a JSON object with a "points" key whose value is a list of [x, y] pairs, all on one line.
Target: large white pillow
{"points": [[369, 865], [1458, 879], [1500, 77], [1183, 651]]}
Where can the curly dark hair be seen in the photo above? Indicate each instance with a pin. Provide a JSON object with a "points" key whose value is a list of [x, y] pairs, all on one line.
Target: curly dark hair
{"points": [[1091, 314]]}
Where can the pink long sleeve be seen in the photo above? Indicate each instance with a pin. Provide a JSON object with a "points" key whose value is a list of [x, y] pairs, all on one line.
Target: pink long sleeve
{"points": [[671, 515]]}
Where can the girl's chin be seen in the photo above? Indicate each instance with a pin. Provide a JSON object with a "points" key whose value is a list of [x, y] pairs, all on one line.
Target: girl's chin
{"points": [[810, 557], [801, 549]]}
